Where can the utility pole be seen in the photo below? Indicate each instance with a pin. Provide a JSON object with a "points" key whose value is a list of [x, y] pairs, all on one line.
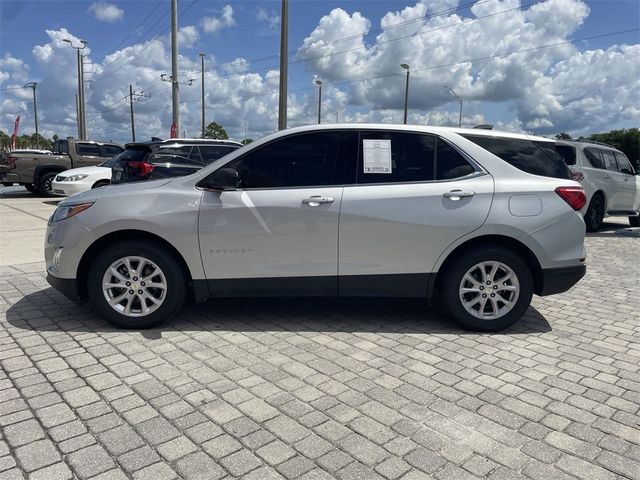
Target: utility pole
{"points": [[337, 117], [135, 97], [319, 83], [33, 85], [82, 125], [175, 91], [133, 123], [459, 100], [406, 92], [284, 64], [78, 116], [202, 55]]}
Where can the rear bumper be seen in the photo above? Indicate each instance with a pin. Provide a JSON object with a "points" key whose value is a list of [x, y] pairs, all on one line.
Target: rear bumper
{"points": [[67, 286], [559, 280]]}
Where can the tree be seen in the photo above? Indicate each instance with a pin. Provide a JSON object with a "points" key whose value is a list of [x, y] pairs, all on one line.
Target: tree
{"points": [[563, 136], [215, 131], [246, 141]]}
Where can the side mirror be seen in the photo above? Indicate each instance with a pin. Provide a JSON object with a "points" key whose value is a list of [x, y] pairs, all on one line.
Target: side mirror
{"points": [[223, 179]]}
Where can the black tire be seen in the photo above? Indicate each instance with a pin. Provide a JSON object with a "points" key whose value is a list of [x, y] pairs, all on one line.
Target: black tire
{"points": [[101, 183], [30, 187], [595, 213], [44, 184], [175, 279], [634, 220], [452, 281]]}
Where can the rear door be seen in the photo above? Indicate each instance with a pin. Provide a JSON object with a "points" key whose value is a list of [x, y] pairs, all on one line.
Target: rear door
{"points": [[616, 180], [415, 195], [87, 154], [597, 175], [629, 192]]}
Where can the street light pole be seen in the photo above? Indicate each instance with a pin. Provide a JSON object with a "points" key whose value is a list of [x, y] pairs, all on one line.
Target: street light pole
{"points": [[202, 55], [82, 125], [133, 125], [175, 91], [284, 64], [406, 92], [319, 83], [33, 85], [459, 100]]}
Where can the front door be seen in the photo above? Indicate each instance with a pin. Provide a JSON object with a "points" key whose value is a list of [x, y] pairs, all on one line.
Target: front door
{"points": [[278, 232], [628, 184], [396, 223]]}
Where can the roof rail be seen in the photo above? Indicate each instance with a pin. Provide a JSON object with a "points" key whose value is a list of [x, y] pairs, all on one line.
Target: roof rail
{"points": [[484, 126], [595, 143]]}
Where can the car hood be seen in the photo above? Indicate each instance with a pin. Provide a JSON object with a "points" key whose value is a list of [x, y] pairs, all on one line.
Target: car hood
{"points": [[113, 191], [83, 171]]}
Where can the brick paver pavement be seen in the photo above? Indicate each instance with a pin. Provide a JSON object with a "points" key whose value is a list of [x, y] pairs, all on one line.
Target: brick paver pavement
{"points": [[314, 389]]}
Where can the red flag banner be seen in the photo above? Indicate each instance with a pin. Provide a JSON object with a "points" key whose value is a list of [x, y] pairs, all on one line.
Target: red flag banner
{"points": [[16, 126], [174, 133]]}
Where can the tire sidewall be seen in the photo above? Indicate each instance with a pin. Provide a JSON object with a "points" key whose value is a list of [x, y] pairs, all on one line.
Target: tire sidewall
{"points": [[174, 274], [457, 270], [42, 184], [594, 222]]}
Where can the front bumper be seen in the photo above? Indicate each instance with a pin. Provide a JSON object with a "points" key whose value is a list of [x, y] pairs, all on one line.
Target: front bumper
{"points": [[69, 188], [559, 280], [67, 286]]}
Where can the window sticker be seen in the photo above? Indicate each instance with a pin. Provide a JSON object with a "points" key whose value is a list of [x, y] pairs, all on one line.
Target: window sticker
{"points": [[377, 156]]}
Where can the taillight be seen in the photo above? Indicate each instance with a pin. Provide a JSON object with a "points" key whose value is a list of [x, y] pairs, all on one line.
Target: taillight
{"points": [[142, 169], [577, 176], [574, 196], [11, 162]]}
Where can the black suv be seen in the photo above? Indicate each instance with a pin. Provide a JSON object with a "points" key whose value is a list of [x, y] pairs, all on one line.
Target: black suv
{"points": [[167, 158]]}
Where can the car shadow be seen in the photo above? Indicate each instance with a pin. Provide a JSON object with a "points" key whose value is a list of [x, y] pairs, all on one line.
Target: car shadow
{"points": [[48, 310], [608, 229]]}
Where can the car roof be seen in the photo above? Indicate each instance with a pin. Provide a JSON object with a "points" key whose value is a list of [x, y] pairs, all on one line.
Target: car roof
{"points": [[183, 141], [416, 128], [587, 143]]}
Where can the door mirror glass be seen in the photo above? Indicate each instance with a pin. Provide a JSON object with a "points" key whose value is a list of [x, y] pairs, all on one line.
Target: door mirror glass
{"points": [[223, 179]]}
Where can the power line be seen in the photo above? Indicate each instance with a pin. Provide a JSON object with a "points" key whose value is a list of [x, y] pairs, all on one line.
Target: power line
{"points": [[138, 26], [105, 76]]}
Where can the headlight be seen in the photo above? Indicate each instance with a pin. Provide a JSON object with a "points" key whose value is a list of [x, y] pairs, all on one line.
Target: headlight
{"points": [[65, 212], [75, 178]]}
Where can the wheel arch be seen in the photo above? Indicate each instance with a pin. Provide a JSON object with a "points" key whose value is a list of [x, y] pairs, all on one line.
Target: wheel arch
{"points": [[42, 169], [198, 288], [502, 241], [100, 183]]}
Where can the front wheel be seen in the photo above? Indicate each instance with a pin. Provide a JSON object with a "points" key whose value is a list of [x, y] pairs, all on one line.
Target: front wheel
{"points": [[136, 284], [30, 187], [487, 289], [634, 220]]}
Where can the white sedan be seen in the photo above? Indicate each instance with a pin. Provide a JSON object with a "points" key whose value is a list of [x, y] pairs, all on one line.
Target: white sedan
{"points": [[82, 179]]}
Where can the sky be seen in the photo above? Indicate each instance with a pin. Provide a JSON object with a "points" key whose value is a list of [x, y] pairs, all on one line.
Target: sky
{"points": [[542, 67]]}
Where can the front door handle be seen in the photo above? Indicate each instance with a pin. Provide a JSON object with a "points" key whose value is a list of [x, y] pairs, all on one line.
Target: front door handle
{"points": [[456, 195], [316, 200]]}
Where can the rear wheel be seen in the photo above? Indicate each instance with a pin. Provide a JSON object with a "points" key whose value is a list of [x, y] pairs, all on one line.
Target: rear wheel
{"points": [[136, 284], [634, 221], [595, 213], [45, 187], [487, 289], [30, 187]]}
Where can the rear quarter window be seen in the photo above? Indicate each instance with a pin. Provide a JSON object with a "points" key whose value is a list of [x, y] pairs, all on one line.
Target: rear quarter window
{"points": [[530, 157]]}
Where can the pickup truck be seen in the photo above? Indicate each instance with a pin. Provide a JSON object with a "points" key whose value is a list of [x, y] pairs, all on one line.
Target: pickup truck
{"points": [[37, 171]]}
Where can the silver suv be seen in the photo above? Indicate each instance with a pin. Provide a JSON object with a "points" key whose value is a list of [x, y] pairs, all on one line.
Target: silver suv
{"points": [[609, 180], [335, 210]]}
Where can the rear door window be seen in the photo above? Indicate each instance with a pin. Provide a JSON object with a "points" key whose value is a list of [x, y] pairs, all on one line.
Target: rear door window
{"points": [[88, 149], [178, 155], [523, 154], [411, 157], [609, 160]]}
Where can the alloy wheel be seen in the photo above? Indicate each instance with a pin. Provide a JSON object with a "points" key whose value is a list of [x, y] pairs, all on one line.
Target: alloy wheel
{"points": [[134, 286], [489, 290]]}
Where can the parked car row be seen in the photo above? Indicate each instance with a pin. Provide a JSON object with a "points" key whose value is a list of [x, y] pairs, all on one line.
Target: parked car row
{"points": [[477, 220]]}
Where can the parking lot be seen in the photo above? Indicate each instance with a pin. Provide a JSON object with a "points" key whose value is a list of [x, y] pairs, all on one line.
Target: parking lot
{"points": [[317, 388]]}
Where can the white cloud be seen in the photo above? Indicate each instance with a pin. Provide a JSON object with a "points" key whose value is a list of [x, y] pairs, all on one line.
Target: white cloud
{"points": [[106, 12], [270, 18], [215, 24], [188, 36]]}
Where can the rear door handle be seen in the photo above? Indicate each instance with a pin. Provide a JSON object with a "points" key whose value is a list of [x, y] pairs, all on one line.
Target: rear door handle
{"points": [[316, 200], [456, 195]]}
